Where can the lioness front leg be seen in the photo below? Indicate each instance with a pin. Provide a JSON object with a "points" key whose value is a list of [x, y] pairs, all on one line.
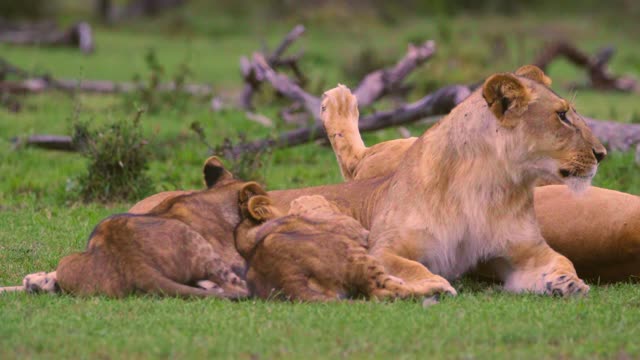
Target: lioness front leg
{"points": [[41, 282], [396, 249], [419, 281], [535, 267]]}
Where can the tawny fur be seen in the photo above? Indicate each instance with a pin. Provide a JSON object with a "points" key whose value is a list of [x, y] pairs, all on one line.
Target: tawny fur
{"points": [[314, 253], [363, 199], [463, 192], [603, 245], [181, 247]]}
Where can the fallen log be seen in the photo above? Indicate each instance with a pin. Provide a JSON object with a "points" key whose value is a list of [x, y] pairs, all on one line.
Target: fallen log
{"points": [[596, 66], [78, 35], [28, 83], [48, 142]]}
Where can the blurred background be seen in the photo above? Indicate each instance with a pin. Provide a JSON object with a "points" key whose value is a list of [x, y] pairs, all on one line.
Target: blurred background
{"points": [[70, 68]]}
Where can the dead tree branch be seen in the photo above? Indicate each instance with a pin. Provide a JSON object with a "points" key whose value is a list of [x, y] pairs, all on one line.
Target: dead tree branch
{"points": [[437, 103], [596, 66], [285, 86], [253, 78], [382, 82]]}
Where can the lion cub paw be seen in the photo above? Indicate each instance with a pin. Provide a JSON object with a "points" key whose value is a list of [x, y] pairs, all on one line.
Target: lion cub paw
{"points": [[564, 285], [41, 282]]}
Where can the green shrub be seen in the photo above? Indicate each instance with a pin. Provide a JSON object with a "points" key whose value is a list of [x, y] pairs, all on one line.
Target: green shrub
{"points": [[118, 161]]}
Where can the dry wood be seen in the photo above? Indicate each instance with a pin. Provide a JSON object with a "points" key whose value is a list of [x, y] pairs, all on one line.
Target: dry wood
{"points": [[382, 82], [35, 84], [438, 103], [78, 35], [374, 85], [596, 66], [253, 79], [49, 142]]}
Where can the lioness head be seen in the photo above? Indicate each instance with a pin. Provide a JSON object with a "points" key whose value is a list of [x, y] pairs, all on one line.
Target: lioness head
{"points": [[557, 139]]}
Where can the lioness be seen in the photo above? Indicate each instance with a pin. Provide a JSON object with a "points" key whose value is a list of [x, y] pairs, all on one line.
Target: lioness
{"points": [[463, 192], [179, 248], [314, 253], [598, 231]]}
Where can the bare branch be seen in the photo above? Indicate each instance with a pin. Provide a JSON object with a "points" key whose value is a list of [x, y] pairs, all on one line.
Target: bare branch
{"points": [[251, 75], [381, 82], [286, 86], [596, 66], [78, 35], [437, 103]]}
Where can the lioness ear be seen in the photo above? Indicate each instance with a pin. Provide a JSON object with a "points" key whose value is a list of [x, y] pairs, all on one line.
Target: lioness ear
{"points": [[260, 208], [250, 190], [214, 172], [505, 95], [534, 73]]}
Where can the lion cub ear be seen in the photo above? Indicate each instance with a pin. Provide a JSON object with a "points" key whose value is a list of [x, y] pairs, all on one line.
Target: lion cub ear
{"points": [[534, 73], [506, 96], [214, 172], [260, 208], [250, 190]]}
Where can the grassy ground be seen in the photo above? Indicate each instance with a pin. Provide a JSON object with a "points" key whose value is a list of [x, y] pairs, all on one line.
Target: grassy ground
{"points": [[40, 220]]}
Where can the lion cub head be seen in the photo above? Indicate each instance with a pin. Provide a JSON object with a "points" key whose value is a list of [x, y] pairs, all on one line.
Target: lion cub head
{"points": [[313, 253], [555, 136]]}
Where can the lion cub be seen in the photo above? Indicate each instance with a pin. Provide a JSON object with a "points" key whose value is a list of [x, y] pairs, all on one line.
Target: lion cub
{"points": [[314, 253]]}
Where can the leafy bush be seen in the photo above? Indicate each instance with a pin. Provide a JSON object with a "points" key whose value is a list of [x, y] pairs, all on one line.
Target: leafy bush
{"points": [[117, 158]]}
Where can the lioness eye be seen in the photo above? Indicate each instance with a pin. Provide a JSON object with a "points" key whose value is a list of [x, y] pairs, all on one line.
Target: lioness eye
{"points": [[563, 117]]}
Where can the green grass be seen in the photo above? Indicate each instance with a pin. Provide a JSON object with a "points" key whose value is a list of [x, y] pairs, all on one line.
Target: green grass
{"points": [[477, 324], [41, 220]]}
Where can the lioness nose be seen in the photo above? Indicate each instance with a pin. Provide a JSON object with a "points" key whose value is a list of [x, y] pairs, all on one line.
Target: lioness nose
{"points": [[599, 153]]}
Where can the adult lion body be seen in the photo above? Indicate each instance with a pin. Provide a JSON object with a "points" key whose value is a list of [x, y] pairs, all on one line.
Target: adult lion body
{"points": [[599, 231]]}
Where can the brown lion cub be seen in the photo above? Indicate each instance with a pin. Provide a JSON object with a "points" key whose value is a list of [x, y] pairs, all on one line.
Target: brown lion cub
{"points": [[181, 247], [315, 253]]}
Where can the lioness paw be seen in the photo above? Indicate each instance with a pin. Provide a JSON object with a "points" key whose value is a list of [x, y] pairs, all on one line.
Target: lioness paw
{"points": [[41, 282], [564, 285], [338, 104]]}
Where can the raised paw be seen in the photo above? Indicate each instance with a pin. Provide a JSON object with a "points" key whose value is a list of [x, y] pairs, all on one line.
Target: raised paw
{"points": [[41, 282], [339, 104], [564, 285]]}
